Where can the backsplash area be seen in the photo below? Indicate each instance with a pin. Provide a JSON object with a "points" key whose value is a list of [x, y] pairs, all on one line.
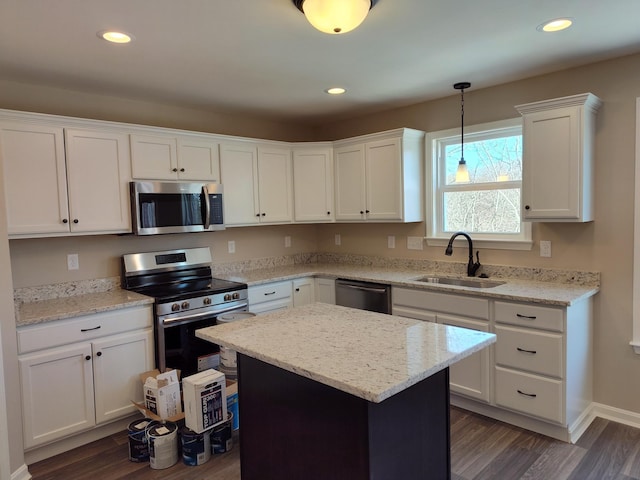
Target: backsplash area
{"points": [[69, 289]]}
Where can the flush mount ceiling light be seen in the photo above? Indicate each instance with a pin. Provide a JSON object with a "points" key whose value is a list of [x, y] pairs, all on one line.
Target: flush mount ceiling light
{"points": [[335, 91], [335, 16], [115, 37], [555, 25], [462, 174]]}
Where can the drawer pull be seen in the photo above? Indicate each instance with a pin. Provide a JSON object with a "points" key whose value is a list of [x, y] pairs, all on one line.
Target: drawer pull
{"points": [[526, 316], [270, 293], [532, 395], [532, 352], [89, 329]]}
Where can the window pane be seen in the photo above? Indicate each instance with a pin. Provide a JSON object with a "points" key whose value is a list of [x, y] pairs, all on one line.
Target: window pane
{"points": [[489, 211], [489, 160]]}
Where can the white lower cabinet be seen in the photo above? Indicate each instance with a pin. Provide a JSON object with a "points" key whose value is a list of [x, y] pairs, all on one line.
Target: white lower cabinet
{"points": [[303, 291], [538, 374], [325, 290], [70, 386], [270, 297], [470, 376]]}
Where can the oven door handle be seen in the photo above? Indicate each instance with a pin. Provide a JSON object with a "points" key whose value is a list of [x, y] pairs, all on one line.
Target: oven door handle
{"points": [[207, 207], [210, 313]]}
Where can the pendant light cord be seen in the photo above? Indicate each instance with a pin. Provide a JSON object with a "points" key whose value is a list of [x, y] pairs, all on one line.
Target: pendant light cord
{"points": [[462, 123]]}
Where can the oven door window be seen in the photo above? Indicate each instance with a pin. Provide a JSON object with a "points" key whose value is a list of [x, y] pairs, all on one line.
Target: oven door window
{"points": [[186, 352]]}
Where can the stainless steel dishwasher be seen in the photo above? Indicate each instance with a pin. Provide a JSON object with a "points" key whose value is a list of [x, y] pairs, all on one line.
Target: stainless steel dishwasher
{"points": [[375, 297]]}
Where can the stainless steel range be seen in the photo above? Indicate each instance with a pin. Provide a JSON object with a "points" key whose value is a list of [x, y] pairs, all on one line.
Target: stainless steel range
{"points": [[187, 298]]}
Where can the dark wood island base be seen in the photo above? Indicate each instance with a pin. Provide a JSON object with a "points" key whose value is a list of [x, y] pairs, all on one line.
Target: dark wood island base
{"points": [[294, 428]]}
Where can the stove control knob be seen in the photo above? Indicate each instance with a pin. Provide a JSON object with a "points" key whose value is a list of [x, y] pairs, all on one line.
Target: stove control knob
{"points": [[207, 301], [236, 295], [227, 297], [175, 307], [185, 305]]}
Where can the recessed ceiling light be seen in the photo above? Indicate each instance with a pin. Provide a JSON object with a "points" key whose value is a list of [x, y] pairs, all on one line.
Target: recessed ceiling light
{"points": [[555, 25], [115, 37], [335, 91]]}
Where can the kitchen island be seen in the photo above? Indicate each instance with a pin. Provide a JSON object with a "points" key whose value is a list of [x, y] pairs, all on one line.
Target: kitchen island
{"points": [[328, 392]]}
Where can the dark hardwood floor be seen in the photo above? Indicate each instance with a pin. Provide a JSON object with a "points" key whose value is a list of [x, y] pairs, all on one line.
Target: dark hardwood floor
{"points": [[481, 449]]}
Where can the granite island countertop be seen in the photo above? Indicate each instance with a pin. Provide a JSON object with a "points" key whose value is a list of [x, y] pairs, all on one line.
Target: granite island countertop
{"points": [[563, 290], [369, 355]]}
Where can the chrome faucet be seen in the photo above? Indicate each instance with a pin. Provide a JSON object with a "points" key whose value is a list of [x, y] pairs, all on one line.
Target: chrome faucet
{"points": [[472, 267]]}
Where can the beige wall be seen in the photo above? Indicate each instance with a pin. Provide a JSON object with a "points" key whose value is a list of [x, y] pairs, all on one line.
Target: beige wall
{"points": [[604, 245]]}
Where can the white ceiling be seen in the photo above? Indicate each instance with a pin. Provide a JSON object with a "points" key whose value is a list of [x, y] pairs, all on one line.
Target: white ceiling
{"points": [[262, 56]]}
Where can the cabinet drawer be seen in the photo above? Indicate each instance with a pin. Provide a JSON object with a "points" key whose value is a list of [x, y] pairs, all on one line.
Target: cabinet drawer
{"points": [[534, 351], [530, 394], [441, 302], [87, 327], [269, 292], [532, 316]]}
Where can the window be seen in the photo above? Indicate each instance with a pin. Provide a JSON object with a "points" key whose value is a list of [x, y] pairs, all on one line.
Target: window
{"points": [[488, 206]]}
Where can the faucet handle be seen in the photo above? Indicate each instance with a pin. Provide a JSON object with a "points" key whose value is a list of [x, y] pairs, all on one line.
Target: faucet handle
{"points": [[473, 267]]}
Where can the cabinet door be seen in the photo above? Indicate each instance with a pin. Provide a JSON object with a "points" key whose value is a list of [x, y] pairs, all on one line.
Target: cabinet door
{"points": [[303, 291], [239, 175], [384, 180], [154, 157], [326, 290], [469, 376], [551, 165], [198, 160], [35, 178], [98, 172], [313, 185], [350, 183], [117, 363], [57, 393], [275, 185]]}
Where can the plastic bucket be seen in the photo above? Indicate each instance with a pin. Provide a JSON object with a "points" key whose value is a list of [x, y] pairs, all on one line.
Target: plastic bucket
{"points": [[227, 355]]}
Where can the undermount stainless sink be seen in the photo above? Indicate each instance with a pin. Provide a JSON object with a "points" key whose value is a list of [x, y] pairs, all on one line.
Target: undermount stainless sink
{"points": [[461, 282]]}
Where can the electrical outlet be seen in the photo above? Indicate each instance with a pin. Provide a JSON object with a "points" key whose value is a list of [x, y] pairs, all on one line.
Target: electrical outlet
{"points": [[545, 248], [337, 238], [73, 263], [232, 246], [391, 241], [414, 243], [287, 241]]}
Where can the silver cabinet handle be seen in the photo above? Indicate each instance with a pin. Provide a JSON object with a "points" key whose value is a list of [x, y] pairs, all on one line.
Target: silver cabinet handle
{"points": [[207, 208]]}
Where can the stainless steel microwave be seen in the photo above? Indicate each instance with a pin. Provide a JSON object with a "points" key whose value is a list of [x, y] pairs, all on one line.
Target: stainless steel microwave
{"points": [[176, 207]]}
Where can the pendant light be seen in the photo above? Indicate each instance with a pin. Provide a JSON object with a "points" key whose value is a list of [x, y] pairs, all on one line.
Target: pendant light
{"points": [[462, 174], [335, 16]]}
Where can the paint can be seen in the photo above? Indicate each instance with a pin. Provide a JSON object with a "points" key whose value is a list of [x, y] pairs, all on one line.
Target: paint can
{"points": [[196, 447], [138, 445], [228, 361], [221, 440], [163, 444]]}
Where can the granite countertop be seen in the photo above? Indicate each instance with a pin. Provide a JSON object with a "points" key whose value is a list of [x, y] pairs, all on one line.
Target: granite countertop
{"points": [[31, 313], [558, 293], [369, 355]]}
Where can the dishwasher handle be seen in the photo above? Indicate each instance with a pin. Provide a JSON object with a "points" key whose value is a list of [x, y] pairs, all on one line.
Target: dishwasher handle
{"points": [[366, 289]]}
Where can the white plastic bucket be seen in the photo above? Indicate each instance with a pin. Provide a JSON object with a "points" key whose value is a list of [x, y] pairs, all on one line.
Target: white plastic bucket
{"points": [[227, 355]]}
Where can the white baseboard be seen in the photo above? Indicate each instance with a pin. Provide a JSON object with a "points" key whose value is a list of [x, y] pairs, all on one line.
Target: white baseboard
{"points": [[21, 474], [618, 415]]}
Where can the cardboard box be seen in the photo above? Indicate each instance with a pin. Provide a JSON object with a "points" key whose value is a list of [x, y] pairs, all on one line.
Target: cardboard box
{"points": [[232, 402], [205, 400], [162, 399]]}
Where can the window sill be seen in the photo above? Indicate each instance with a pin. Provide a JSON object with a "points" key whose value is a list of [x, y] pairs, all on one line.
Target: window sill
{"points": [[478, 243]]}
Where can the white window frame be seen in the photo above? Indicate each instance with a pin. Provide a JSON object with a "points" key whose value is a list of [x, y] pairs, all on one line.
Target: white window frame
{"points": [[434, 209]]}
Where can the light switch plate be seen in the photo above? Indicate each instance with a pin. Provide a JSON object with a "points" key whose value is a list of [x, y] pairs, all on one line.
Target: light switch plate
{"points": [[337, 239], [287, 241], [391, 241], [232, 246], [73, 263], [545, 248]]}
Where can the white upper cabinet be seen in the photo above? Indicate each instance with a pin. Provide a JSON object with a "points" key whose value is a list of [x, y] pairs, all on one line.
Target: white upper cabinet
{"points": [[313, 184], [378, 177], [258, 184], [53, 190], [174, 158], [558, 163]]}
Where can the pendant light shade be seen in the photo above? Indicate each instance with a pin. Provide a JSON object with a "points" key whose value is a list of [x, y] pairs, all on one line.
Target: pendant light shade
{"points": [[335, 16], [462, 174]]}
